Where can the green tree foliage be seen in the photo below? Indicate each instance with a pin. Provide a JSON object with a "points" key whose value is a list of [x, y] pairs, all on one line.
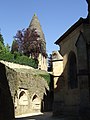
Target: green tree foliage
{"points": [[14, 56], [24, 60], [7, 47], [2, 48], [17, 58], [1, 39], [46, 77], [7, 57], [14, 47]]}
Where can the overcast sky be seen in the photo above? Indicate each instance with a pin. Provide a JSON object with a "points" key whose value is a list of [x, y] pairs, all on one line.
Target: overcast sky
{"points": [[55, 17]]}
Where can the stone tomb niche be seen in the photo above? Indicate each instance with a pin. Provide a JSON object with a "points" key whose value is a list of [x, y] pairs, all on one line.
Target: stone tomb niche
{"points": [[23, 99], [36, 103], [22, 102]]}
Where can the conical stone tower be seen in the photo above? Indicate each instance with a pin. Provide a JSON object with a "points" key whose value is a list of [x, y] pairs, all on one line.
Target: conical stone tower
{"points": [[35, 24]]}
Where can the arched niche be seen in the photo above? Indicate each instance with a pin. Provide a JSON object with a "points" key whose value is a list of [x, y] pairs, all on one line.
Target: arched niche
{"points": [[81, 46], [23, 98], [36, 102], [72, 71]]}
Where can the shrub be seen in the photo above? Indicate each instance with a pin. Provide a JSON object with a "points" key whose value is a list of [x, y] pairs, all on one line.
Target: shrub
{"points": [[46, 77], [7, 57], [24, 60], [19, 59]]}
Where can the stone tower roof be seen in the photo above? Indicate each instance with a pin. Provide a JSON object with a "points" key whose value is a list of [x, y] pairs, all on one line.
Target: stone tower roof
{"points": [[36, 24]]}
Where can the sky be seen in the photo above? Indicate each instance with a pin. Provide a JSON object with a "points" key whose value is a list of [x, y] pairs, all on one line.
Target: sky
{"points": [[55, 16]]}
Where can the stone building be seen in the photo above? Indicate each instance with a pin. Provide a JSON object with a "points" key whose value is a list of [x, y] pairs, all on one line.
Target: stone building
{"points": [[72, 91], [22, 90], [35, 24], [57, 66]]}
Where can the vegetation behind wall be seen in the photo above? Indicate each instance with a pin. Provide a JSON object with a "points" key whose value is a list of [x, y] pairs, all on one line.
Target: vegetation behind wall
{"points": [[20, 59]]}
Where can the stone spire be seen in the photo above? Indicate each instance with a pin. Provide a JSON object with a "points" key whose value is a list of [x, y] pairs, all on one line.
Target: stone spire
{"points": [[36, 24]]}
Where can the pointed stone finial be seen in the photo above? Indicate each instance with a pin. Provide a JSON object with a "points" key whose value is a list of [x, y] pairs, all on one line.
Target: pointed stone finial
{"points": [[35, 14], [36, 24]]}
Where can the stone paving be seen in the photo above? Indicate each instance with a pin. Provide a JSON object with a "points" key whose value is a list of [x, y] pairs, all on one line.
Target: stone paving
{"points": [[40, 116]]}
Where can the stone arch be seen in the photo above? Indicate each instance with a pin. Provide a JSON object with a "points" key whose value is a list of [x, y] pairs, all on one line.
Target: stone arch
{"points": [[72, 71], [23, 98], [81, 46], [36, 103], [21, 101], [34, 97], [21, 94]]}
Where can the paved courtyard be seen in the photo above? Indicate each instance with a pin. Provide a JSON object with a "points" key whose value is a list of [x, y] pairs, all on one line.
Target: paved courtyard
{"points": [[45, 116]]}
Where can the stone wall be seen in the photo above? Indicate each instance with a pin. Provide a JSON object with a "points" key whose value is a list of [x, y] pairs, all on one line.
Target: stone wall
{"points": [[42, 65], [57, 66], [72, 93], [26, 86], [6, 99]]}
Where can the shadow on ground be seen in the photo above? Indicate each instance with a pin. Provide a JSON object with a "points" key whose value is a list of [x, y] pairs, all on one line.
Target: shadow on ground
{"points": [[45, 116]]}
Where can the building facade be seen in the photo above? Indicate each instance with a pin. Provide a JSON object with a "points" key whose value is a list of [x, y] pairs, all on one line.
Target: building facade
{"points": [[72, 93]]}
